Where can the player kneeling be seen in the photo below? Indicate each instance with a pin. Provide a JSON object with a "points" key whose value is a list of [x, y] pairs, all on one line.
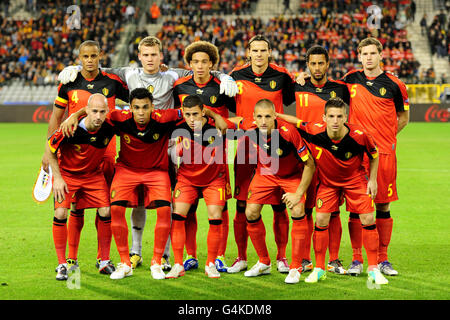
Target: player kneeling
{"points": [[201, 172], [338, 150]]}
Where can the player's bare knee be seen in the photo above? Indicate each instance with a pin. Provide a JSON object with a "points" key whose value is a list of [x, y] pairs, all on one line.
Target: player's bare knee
{"points": [[61, 213], [104, 212], [322, 219], [382, 206], [252, 213], [367, 218], [215, 212], [298, 211]]}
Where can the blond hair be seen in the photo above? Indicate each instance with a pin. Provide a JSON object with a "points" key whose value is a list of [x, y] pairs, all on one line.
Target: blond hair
{"points": [[150, 41]]}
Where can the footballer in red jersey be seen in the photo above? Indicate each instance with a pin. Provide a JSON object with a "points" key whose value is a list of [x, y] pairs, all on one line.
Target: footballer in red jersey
{"points": [[74, 96], [310, 103], [258, 79], [75, 163], [203, 57], [202, 172], [338, 149], [284, 166], [379, 103]]}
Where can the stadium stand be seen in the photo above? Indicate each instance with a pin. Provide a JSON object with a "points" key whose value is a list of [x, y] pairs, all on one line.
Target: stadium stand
{"points": [[36, 42]]}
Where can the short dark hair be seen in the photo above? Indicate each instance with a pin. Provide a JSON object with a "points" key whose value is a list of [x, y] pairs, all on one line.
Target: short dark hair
{"points": [[336, 102], [259, 37], [91, 43], [140, 93], [193, 100], [316, 49]]}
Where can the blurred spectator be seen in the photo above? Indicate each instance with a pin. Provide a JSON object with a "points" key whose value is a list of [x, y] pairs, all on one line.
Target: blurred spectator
{"points": [[423, 24], [154, 13], [36, 50]]}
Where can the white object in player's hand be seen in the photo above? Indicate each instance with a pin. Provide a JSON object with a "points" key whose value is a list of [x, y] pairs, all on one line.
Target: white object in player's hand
{"points": [[43, 186], [228, 85], [68, 74]]}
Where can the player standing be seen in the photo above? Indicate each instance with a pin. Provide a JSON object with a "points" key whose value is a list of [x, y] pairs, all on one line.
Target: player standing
{"points": [[258, 79], [310, 103], [338, 149], [379, 103], [72, 97], [202, 172], [202, 57], [284, 166], [75, 162]]}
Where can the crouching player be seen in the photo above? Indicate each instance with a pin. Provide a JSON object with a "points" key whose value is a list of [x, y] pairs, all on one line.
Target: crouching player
{"points": [[338, 150], [77, 172], [284, 165], [202, 172]]}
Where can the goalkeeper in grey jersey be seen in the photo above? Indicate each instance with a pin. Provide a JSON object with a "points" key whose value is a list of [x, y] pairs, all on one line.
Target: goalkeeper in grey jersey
{"points": [[160, 84]]}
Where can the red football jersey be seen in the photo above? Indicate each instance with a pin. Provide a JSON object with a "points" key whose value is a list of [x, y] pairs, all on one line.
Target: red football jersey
{"points": [[310, 99], [145, 147], [208, 92], [203, 154], [282, 153], [374, 104], [338, 162], [275, 84], [82, 153]]}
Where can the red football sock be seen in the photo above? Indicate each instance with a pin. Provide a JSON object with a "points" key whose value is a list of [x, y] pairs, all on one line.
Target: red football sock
{"points": [[178, 237], [310, 226], [240, 232], [224, 233], [162, 231], [257, 232], [191, 233], [60, 238], [119, 229], [335, 235], [370, 241], [75, 225], [384, 227], [355, 232], [299, 233], [104, 236], [320, 243], [213, 240], [281, 231]]}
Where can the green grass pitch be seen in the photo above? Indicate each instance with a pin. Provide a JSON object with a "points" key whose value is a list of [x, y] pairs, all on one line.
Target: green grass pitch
{"points": [[419, 248]]}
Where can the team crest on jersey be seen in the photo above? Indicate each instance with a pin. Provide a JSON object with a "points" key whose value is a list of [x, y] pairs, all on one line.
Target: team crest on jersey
{"points": [[348, 155], [211, 139], [249, 195], [155, 136], [177, 193], [90, 86], [213, 99], [319, 203], [383, 91], [333, 94], [273, 84], [279, 151], [105, 91], [150, 89], [113, 193]]}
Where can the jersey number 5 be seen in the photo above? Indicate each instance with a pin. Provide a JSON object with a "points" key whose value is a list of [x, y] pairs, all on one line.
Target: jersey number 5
{"points": [[353, 91]]}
